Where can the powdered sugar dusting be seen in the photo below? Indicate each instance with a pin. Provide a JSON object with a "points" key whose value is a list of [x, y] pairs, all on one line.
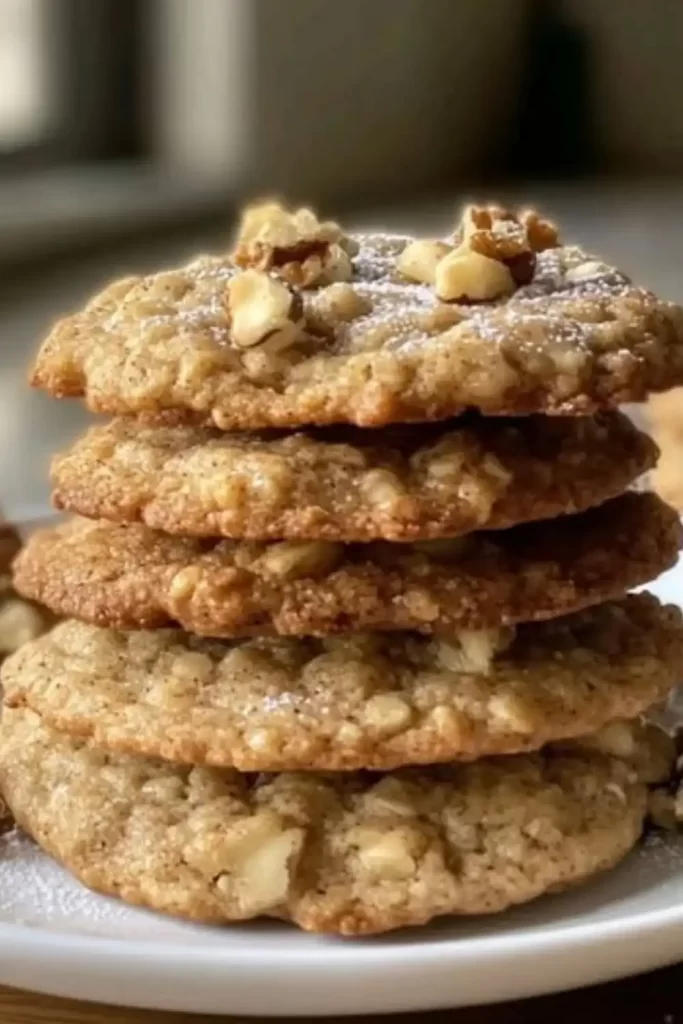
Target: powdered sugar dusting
{"points": [[192, 301], [36, 892]]}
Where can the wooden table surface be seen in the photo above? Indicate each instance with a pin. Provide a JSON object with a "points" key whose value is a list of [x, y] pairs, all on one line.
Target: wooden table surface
{"points": [[649, 999]]}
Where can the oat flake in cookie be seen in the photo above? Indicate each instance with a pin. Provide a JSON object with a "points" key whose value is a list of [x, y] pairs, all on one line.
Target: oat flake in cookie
{"points": [[131, 577], [364, 700], [353, 855], [343, 484], [302, 324]]}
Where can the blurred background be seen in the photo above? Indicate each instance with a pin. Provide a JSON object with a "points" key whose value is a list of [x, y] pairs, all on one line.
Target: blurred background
{"points": [[130, 130]]}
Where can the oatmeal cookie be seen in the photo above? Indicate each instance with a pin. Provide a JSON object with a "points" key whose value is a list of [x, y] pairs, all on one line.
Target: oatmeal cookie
{"points": [[397, 484], [375, 701], [353, 855], [304, 325], [131, 577]]}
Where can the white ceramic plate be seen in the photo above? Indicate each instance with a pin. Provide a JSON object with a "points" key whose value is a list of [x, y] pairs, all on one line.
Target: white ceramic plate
{"points": [[55, 937]]}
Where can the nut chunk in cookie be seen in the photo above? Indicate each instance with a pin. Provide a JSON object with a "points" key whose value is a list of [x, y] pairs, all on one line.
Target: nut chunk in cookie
{"points": [[494, 253], [293, 244]]}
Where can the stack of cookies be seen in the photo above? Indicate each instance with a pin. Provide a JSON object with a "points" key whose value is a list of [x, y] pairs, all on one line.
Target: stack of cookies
{"points": [[346, 640]]}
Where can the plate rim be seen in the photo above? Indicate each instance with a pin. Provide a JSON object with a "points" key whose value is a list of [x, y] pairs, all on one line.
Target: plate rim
{"points": [[370, 948]]}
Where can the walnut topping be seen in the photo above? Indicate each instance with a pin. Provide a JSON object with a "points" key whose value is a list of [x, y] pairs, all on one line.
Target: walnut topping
{"points": [[512, 239], [493, 232], [503, 234], [542, 233], [294, 244], [467, 276], [263, 310], [419, 259]]}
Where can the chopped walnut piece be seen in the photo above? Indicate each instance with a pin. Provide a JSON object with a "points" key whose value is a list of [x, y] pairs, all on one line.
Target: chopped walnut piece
{"points": [[384, 489], [256, 860], [339, 303], [387, 714], [542, 233], [419, 259], [293, 559], [511, 238], [473, 650], [263, 310], [294, 244], [467, 276], [495, 231], [386, 855]]}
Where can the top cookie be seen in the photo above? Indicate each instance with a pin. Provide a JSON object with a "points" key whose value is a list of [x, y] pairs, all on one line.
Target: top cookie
{"points": [[303, 325]]}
